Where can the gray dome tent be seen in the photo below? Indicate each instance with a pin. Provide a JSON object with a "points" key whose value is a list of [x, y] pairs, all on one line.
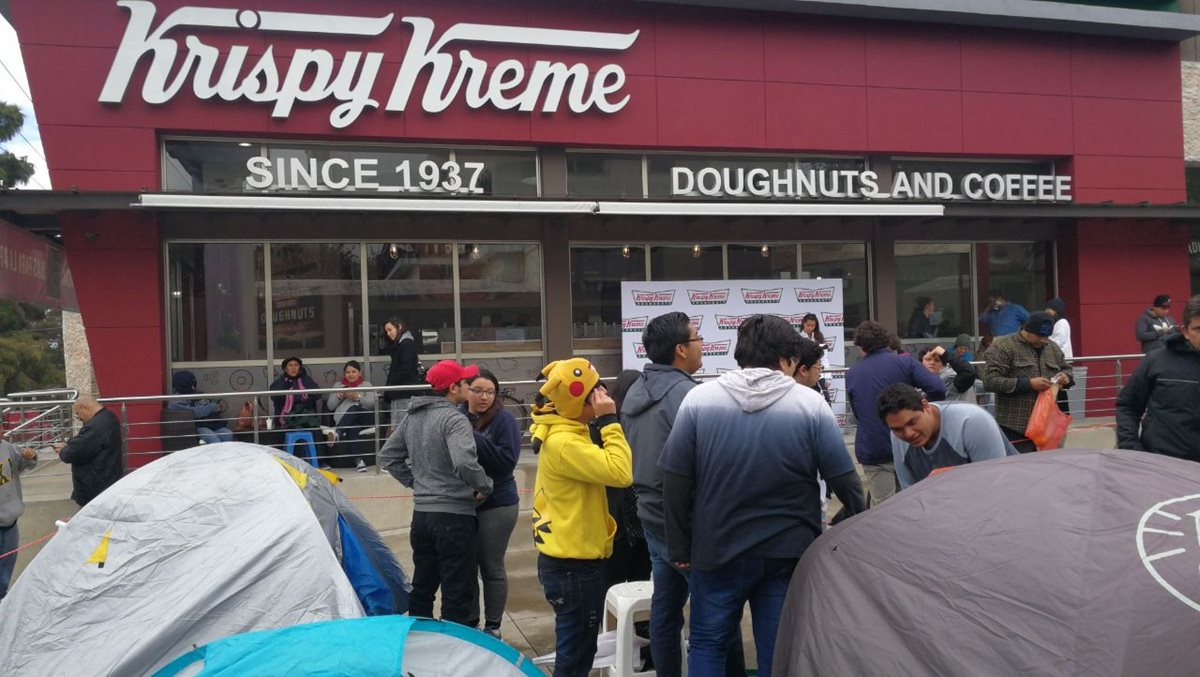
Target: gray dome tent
{"points": [[1058, 563], [203, 544]]}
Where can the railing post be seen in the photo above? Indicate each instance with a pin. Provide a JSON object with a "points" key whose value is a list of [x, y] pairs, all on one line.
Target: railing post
{"points": [[1120, 377], [124, 437], [378, 402], [254, 417]]}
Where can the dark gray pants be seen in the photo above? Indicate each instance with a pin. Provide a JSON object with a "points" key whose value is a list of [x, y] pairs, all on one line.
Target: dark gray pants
{"points": [[495, 528]]}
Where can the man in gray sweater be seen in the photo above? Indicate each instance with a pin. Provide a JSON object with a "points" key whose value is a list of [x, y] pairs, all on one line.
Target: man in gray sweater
{"points": [[432, 452], [13, 462]]}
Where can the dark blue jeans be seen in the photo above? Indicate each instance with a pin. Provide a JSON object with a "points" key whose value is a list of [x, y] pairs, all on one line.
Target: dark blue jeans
{"points": [[666, 616], [9, 540], [575, 589], [718, 598]]}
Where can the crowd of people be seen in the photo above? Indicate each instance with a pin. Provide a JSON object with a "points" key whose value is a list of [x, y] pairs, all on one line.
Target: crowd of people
{"points": [[652, 480]]}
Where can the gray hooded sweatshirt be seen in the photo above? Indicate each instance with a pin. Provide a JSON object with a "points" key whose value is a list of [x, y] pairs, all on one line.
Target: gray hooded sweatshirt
{"points": [[12, 464], [647, 415], [432, 452]]}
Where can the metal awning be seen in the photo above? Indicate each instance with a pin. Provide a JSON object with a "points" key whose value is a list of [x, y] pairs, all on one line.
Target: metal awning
{"points": [[1037, 15]]}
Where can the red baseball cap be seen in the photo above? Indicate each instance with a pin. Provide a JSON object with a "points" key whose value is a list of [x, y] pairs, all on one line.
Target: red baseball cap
{"points": [[448, 372]]}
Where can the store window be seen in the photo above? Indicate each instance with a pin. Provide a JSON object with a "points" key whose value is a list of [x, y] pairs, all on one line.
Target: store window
{"points": [[933, 290], [500, 287], [596, 276], [215, 301], [414, 283], [316, 300], [845, 261], [206, 166], [1022, 271], [687, 262], [775, 261], [604, 175], [1194, 258]]}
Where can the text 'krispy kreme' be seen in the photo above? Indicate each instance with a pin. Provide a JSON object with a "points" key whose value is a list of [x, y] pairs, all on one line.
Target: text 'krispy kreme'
{"points": [[634, 324], [730, 321], [653, 298], [715, 348], [822, 295], [708, 298], [762, 295], [831, 319]]}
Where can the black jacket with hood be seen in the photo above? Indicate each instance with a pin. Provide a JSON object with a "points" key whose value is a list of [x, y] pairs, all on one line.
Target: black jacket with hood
{"points": [[1159, 409]]}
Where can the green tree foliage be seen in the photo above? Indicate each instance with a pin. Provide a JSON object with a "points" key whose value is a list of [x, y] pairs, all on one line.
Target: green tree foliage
{"points": [[14, 171], [31, 354]]}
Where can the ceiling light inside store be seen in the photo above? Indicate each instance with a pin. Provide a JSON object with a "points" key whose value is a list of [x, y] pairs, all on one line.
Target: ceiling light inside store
{"points": [[765, 251], [625, 251], [244, 144], [393, 251], [474, 252], [696, 251]]}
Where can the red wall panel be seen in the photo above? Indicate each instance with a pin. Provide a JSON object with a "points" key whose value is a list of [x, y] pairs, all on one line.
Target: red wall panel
{"points": [[1128, 127], [916, 56], [794, 122], [815, 50], [1113, 68], [1007, 61], [712, 44], [733, 117], [914, 121], [1016, 124]]}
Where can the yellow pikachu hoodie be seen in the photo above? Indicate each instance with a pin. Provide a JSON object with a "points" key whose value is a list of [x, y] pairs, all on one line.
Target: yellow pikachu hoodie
{"points": [[570, 509]]}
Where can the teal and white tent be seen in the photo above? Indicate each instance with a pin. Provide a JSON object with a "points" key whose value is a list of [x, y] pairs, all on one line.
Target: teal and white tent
{"points": [[382, 646]]}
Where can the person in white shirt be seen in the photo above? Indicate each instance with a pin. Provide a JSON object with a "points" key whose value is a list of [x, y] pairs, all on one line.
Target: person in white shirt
{"points": [[1061, 336]]}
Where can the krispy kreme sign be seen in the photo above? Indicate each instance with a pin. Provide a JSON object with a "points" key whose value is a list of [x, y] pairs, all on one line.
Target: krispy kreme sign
{"points": [[762, 295], [207, 51], [653, 298], [822, 295], [714, 297]]}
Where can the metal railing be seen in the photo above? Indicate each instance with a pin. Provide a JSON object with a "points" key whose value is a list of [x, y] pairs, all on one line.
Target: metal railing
{"points": [[42, 418]]}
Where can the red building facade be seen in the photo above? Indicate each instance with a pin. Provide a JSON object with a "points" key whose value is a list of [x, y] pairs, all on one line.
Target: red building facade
{"points": [[116, 82]]}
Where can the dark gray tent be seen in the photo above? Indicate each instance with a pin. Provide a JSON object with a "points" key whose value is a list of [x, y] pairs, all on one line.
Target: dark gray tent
{"points": [[1058, 563]]}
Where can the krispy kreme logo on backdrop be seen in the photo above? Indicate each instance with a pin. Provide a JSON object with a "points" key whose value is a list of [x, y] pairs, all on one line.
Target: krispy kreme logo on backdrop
{"points": [[696, 321], [730, 321], [830, 342], [634, 324], [831, 319], [639, 350], [653, 298], [762, 295], [715, 348], [842, 420], [797, 321], [715, 297], [444, 64], [822, 295]]}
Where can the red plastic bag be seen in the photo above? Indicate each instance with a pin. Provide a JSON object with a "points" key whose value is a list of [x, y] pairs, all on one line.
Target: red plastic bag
{"points": [[1047, 426]]}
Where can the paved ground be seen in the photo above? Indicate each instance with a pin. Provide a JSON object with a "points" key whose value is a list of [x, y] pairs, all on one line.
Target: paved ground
{"points": [[529, 622]]}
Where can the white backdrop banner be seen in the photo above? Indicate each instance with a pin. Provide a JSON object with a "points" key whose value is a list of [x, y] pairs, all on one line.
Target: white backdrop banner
{"points": [[717, 308]]}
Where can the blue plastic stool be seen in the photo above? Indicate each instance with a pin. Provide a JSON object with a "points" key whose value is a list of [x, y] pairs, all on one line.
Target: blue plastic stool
{"points": [[290, 439]]}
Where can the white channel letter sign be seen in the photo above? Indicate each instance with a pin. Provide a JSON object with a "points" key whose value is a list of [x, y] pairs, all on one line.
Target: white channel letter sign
{"points": [[800, 184], [314, 75]]}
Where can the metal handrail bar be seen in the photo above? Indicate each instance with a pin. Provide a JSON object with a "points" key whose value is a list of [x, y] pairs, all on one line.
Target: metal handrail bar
{"points": [[38, 393], [28, 421]]}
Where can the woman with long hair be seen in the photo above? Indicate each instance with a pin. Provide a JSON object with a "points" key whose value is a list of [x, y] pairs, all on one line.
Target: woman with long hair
{"points": [[498, 443], [405, 369], [810, 328]]}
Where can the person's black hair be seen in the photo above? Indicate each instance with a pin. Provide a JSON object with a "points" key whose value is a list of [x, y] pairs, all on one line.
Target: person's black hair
{"points": [[763, 340], [283, 365], [817, 335], [929, 349], [898, 397], [810, 353], [663, 333], [1191, 310], [396, 322], [871, 336], [484, 373], [997, 294], [621, 386], [922, 301], [352, 363]]}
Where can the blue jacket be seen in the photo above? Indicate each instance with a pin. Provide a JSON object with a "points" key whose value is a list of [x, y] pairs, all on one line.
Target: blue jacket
{"points": [[498, 446], [1007, 320], [647, 415], [864, 382]]}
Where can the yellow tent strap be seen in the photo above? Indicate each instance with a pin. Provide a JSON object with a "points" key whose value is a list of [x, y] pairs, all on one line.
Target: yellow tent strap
{"points": [[100, 555], [299, 476]]}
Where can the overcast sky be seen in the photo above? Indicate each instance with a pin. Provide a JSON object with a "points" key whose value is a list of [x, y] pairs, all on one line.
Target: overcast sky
{"points": [[14, 89]]}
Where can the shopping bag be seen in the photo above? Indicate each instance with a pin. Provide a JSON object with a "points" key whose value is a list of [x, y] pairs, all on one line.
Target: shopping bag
{"points": [[1047, 424], [246, 421]]}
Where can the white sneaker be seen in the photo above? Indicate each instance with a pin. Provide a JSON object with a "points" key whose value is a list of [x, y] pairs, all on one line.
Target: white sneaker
{"points": [[360, 466]]}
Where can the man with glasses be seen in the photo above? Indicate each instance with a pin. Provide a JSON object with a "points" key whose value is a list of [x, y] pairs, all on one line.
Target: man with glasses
{"points": [[432, 451], [648, 414]]}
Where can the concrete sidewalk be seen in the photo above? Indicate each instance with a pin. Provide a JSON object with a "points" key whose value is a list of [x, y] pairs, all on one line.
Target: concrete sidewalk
{"points": [[529, 620]]}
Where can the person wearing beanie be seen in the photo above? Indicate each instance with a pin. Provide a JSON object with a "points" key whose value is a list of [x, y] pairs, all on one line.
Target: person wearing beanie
{"points": [[572, 528], [209, 427], [962, 347], [1155, 324], [432, 451], [1019, 367]]}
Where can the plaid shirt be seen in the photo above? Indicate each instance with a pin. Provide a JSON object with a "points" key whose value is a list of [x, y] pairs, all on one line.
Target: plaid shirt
{"points": [[1011, 363]]}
